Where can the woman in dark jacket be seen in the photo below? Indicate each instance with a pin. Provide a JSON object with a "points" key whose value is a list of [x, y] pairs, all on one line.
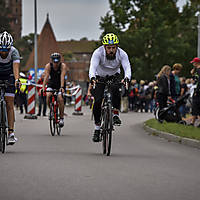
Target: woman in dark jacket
{"points": [[163, 86]]}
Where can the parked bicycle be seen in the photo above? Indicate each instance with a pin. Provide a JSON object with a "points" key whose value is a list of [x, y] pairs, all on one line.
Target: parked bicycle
{"points": [[3, 116], [53, 116]]}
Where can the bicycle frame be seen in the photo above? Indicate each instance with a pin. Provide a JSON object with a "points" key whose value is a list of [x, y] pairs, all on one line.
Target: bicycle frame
{"points": [[106, 118], [54, 119], [3, 117], [55, 106], [3, 106]]}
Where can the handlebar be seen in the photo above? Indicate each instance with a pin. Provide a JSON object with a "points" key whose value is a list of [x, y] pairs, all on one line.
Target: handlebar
{"points": [[111, 83]]}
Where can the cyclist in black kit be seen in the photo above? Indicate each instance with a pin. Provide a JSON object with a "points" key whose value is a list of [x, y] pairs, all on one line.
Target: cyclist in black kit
{"points": [[55, 76]]}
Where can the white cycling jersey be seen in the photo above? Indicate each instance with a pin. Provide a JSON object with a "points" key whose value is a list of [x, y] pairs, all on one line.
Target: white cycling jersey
{"points": [[101, 66]]}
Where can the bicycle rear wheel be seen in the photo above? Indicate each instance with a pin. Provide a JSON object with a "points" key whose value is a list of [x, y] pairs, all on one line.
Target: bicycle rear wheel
{"points": [[52, 120]]}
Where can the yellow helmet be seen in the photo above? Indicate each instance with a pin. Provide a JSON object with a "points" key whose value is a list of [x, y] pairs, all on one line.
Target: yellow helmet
{"points": [[110, 39]]}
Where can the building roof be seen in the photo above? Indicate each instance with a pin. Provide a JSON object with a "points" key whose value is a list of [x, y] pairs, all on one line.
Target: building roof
{"points": [[73, 46], [46, 46]]}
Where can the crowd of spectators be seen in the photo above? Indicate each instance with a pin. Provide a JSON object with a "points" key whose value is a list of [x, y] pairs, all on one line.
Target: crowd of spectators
{"points": [[143, 95]]}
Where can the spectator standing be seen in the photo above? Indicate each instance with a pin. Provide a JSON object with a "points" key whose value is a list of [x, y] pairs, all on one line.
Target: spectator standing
{"points": [[184, 89], [163, 86], [133, 94], [175, 84], [42, 97], [23, 93], [196, 95], [142, 96]]}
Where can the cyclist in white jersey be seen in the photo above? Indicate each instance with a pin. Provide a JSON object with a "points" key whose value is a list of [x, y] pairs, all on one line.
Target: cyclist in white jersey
{"points": [[105, 62], [9, 70]]}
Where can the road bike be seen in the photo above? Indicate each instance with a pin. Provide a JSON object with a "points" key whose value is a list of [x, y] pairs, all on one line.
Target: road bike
{"points": [[107, 116], [53, 116], [3, 116]]}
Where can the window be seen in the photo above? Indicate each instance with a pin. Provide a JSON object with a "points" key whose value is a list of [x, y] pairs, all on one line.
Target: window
{"points": [[16, 10]]}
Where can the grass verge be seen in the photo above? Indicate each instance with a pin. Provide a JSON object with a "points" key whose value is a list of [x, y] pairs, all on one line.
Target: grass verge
{"points": [[176, 129]]}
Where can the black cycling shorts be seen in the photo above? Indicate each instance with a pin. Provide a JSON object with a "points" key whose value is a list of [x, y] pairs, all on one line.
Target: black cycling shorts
{"points": [[10, 91]]}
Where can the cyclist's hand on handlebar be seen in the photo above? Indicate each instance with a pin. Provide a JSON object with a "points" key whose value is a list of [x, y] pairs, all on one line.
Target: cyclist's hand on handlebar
{"points": [[125, 81], [17, 83], [62, 90], [93, 82]]}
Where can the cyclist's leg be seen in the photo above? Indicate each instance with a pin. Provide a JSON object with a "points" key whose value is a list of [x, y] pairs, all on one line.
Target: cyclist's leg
{"points": [[98, 96], [61, 105], [48, 95], [9, 98], [116, 101], [10, 110], [11, 118]]}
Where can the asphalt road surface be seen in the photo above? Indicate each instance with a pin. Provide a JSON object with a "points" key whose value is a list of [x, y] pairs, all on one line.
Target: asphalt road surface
{"points": [[72, 167]]}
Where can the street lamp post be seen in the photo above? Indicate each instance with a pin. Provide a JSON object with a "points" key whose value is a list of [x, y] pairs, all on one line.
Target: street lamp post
{"points": [[36, 52], [198, 51], [35, 41]]}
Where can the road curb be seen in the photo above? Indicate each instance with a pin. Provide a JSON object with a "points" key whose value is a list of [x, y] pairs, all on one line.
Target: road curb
{"points": [[172, 138]]}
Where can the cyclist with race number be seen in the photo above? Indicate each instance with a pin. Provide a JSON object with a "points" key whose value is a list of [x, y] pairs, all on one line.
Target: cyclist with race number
{"points": [[55, 76], [9, 70], [105, 62]]}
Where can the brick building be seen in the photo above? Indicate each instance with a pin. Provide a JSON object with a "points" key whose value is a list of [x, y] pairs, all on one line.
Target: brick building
{"points": [[81, 51], [15, 14]]}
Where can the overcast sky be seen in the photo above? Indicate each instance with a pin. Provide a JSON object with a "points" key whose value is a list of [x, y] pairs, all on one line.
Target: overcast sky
{"points": [[70, 19]]}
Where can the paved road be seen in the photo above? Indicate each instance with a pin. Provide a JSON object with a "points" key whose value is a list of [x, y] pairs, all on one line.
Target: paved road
{"points": [[71, 167]]}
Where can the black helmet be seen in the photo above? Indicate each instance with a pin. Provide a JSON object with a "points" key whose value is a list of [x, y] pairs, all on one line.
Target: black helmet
{"points": [[55, 57]]}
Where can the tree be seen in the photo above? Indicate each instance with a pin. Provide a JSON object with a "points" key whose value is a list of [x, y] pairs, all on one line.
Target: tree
{"points": [[25, 47], [153, 32]]}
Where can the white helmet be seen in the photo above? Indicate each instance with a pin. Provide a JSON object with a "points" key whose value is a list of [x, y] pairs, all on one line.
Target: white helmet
{"points": [[6, 41]]}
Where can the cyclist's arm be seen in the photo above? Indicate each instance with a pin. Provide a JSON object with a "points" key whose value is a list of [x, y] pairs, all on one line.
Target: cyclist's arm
{"points": [[46, 77], [62, 76], [94, 62], [16, 62], [16, 70], [126, 65]]}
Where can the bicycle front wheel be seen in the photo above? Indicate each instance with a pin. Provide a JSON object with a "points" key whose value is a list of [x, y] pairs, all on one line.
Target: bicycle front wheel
{"points": [[58, 129], [103, 132], [3, 129], [110, 129], [52, 120], [3, 139]]}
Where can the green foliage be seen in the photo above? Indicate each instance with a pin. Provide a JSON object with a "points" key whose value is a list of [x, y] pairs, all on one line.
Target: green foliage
{"points": [[84, 39], [68, 56], [154, 33], [25, 46], [4, 20]]}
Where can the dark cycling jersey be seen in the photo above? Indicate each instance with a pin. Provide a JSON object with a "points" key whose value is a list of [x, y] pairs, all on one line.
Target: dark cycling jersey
{"points": [[6, 65], [6, 69], [54, 81]]}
